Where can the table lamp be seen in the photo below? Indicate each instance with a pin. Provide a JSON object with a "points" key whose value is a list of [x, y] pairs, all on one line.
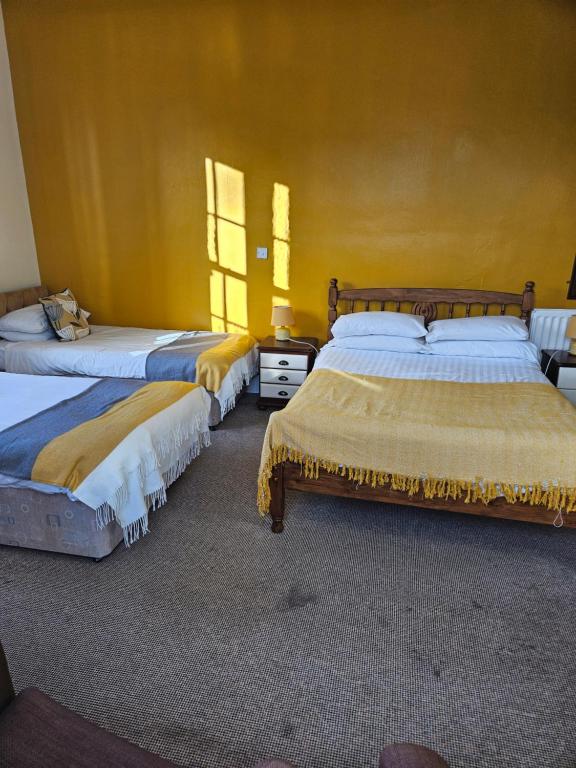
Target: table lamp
{"points": [[283, 317], [571, 334]]}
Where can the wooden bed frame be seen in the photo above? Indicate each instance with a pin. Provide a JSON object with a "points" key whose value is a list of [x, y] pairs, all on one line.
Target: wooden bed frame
{"points": [[430, 303]]}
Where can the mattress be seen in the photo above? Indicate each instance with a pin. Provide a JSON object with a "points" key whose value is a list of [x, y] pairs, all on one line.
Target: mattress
{"points": [[405, 365]]}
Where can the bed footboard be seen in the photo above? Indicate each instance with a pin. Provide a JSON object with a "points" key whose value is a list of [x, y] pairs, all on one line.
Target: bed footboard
{"points": [[289, 476]]}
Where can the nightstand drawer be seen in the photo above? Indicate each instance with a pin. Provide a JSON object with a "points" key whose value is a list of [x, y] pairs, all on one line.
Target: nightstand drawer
{"points": [[570, 394], [280, 377], [275, 360], [277, 391], [566, 378]]}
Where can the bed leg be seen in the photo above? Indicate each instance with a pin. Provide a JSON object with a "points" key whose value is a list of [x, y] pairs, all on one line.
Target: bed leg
{"points": [[277, 498]]}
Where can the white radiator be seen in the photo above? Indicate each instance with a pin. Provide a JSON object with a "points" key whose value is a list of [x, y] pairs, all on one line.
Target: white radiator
{"points": [[548, 328]]}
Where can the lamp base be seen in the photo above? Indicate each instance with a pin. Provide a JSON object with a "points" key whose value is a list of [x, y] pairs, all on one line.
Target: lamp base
{"points": [[572, 347], [282, 333]]}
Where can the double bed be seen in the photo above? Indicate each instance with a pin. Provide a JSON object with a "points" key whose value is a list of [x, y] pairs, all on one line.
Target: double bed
{"points": [[484, 436], [223, 363]]}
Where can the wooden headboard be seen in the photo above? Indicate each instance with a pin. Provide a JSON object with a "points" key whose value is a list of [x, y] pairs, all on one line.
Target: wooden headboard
{"points": [[428, 301], [17, 299]]}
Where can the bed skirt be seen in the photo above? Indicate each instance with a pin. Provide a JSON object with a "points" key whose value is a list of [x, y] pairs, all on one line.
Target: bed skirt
{"points": [[53, 523]]}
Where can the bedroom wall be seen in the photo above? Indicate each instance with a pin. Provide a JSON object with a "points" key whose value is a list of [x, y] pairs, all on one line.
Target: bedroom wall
{"points": [[18, 263], [411, 142]]}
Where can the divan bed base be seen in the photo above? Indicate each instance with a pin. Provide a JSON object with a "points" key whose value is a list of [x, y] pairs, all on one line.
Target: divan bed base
{"points": [[54, 523], [290, 476]]}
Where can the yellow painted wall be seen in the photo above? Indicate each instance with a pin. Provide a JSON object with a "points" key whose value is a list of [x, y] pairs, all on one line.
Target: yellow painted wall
{"points": [[421, 142]]}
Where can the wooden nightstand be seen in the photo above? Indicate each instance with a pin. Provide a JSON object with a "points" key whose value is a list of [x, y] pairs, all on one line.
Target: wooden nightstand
{"points": [[283, 367], [560, 367]]}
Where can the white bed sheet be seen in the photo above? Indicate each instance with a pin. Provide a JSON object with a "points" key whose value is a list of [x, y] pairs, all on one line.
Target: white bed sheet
{"points": [[3, 344], [118, 352], [22, 397], [107, 351], [406, 365]]}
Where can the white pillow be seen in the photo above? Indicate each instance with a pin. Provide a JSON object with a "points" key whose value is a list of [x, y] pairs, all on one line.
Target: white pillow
{"points": [[30, 319], [519, 350], [380, 323], [379, 342], [19, 336], [497, 328]]}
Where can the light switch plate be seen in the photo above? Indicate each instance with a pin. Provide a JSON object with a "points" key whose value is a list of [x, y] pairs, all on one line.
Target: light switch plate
{"points": [[261, 252]]}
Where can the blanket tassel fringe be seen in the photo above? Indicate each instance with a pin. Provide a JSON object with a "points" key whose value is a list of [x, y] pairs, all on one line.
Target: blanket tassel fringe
{"points": [[240, 378], [552, 496], [197, 432]]}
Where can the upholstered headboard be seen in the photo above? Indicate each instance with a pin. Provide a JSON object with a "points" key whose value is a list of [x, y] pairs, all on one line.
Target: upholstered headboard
{"points": [[17, 299]]}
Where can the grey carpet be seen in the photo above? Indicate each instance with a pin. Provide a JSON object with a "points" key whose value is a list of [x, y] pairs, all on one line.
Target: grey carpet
{"points": [[215, 643]]}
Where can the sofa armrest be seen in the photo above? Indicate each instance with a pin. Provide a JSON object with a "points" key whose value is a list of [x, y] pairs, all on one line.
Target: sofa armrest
{"points": [[410, 756], [6, 687]]}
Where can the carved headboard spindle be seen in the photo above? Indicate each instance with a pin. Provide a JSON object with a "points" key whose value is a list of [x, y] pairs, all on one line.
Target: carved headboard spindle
{"points": [[528, 301]]}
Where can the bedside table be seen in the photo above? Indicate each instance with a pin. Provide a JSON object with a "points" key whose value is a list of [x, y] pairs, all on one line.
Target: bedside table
{"points": [[561, 370], [284, 366]]}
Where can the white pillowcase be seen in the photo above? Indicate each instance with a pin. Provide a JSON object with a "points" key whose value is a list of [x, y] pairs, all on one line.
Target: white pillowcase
{"points": [[379, 323], [496, 328], [520, 350], [379, 342], [29, 324], [19, 336], [30, 319]]}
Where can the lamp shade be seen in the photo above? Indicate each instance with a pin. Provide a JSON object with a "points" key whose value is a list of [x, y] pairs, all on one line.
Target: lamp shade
{"points": [[285, 316], [571, 327]]}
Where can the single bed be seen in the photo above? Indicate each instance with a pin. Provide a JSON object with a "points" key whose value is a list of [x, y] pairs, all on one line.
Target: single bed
{"points": [[223, 363], [83, 460], [362, 414]]}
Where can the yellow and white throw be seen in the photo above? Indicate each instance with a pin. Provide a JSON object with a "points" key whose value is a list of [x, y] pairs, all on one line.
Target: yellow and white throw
{"points": [[465, 441]]}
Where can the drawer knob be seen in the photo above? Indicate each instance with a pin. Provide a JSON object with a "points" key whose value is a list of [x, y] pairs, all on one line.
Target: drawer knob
{"points": [[282, 378], [284, 394], [283, 362]]}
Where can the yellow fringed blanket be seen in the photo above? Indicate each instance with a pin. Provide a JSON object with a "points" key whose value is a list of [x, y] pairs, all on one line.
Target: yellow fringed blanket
{"points": [[213, 364], [451, 440]]}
